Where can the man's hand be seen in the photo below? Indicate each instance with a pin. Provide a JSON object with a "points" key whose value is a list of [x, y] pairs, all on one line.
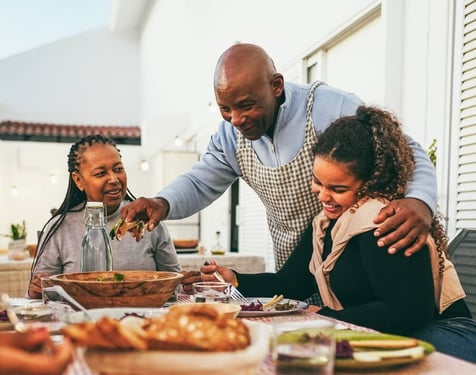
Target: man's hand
{"points": [[149, 210], [405, 225]]}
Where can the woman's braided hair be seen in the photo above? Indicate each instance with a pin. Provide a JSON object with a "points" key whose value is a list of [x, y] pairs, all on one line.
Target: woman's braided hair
{"points": [[374, 148], [75, 199]]}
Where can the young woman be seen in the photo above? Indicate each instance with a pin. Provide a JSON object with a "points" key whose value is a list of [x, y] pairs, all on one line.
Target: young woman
{"points": [[23, 353], [361, 163], [96, 173]]}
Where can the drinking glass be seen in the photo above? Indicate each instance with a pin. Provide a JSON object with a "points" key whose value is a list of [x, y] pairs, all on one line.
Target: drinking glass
{"points": [[47, 296], [51, 316], [210, 291], [301, 347]]}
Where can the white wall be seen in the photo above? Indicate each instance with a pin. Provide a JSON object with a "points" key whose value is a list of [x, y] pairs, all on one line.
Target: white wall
{"points": [[180, 44], [183, 39], [29, 165], [426, 83], [164, 81], [91, 78], [88, 79]]}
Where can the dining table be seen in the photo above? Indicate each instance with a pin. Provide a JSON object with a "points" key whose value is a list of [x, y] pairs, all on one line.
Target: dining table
{"points": [[241, 262], [14, 275], [435, 363]]}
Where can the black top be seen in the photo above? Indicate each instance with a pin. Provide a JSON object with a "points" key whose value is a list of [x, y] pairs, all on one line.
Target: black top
{"points": [[389, 293]]}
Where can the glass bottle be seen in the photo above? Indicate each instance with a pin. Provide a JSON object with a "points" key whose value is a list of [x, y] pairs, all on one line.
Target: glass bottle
{"points": [[218, 248], [96, 252]]}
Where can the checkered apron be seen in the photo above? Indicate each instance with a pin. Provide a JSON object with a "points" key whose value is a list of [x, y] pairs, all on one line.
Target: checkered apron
{"points": [[285, 191]]}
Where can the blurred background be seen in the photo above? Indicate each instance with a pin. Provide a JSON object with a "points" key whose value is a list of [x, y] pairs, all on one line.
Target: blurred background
{"points": [[141, 71]]}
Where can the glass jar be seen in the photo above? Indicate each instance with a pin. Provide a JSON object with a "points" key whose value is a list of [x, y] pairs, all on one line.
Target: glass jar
{"points": [[96, 252], [217, 248]]}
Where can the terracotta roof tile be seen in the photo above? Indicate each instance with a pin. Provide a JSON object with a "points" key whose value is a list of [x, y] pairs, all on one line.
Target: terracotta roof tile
{"points": [[37, 132]]}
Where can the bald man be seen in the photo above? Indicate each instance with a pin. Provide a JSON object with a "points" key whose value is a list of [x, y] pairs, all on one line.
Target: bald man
{"points": [[269, 127]]}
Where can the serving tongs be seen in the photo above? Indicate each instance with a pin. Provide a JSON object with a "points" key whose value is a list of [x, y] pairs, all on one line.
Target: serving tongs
{"points": [[64, 294]]}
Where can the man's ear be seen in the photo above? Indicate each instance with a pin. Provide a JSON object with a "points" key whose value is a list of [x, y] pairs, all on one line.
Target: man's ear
{"points": [[278, 84]]}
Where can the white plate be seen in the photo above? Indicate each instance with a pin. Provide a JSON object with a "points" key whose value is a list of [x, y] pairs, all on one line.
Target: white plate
{"points": [[187, 251], [300, 306], [23, 301], [241, 362], [116, 312]]}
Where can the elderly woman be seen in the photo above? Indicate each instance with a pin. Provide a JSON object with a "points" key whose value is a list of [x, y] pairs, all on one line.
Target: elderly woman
{"points": [[96, 173]]}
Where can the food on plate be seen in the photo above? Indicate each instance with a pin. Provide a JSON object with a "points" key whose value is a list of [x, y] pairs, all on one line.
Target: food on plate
{"points": [[384, 344], [344, 350], [273, 301], [119, 230], [374, 356], [364, 350], [285, 306], [231, 310], [107, 333], [253, 306], [200, 328]]}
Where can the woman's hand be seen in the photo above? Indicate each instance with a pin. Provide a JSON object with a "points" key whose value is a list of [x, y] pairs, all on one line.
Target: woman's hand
{"points": [[405, 225], [33, 353], [206, 274], [34, 289], [209, 269], [190, 277]]}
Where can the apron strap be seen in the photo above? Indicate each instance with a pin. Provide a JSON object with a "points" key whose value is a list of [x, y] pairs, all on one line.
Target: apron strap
{"points": [[310, 100]]}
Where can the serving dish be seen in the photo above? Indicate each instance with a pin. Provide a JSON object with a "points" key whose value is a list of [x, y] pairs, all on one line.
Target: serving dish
{"points": [[116, 313], [241, 362], [364, 365], [187, 251], [6, 325], [119, 288], [271, 312], [230, 310], [185, 243]]}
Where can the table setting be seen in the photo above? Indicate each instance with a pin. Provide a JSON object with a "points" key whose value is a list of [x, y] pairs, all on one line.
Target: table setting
{"points": [[274, 334]]}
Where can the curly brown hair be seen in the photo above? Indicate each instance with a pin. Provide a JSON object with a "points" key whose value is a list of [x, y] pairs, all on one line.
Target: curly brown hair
{"points": [[373, 146]]}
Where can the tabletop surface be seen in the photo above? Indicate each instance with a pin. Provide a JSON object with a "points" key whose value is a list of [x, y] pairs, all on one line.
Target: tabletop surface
{"points": [[435, 363], [8, 264]]}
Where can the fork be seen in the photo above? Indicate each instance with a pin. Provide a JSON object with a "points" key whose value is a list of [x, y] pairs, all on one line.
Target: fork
{"points": [[234, 293]]}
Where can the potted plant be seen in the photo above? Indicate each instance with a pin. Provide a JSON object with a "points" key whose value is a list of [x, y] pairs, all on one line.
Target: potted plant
{"points": [[17, 243]]}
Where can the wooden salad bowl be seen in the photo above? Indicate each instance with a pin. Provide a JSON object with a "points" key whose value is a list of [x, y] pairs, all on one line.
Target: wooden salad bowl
{"points": [[119, 288]]}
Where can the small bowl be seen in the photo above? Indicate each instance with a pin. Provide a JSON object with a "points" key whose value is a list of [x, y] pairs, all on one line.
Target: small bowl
{"points": [[137, 289], [32, 250], [51, 316], [230, 310], [185, 244]]}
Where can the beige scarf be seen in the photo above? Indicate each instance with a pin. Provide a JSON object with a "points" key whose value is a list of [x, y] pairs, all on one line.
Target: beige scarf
{"points": [[448, 288]]}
